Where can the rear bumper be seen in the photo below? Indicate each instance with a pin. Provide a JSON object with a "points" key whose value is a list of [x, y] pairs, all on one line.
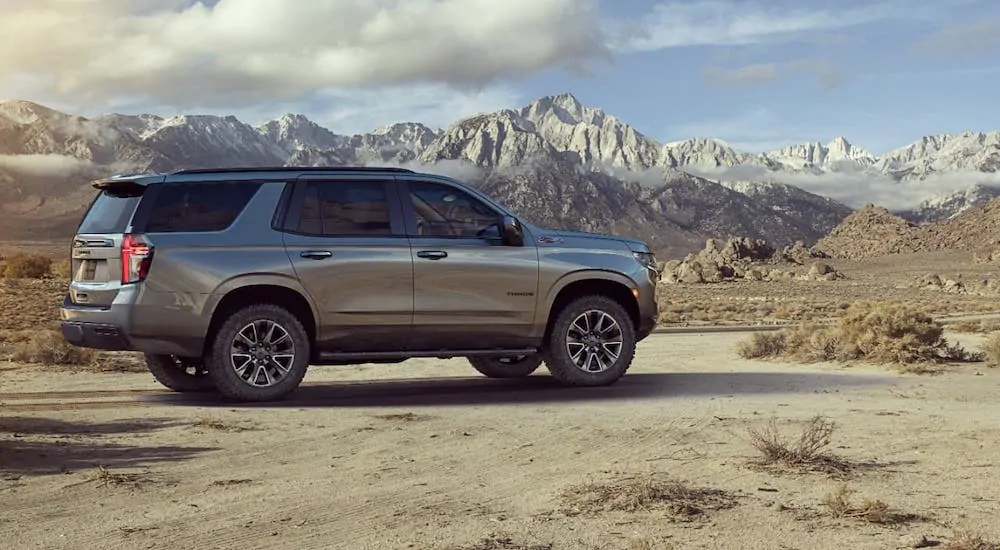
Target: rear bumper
{"points": [[112, 328], [95, 335]]}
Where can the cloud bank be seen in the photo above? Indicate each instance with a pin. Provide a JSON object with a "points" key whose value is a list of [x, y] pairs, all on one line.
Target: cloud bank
{"points": [[235, 51], [856, 187]]}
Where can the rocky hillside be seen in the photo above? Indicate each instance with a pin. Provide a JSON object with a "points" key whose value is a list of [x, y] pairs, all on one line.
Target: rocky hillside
{"points": [[874, 231], [868, 232]]}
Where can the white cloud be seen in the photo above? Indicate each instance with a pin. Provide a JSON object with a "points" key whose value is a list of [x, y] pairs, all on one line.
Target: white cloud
{"points": [[44, 165], [193, 55], [763, 73], [858, 187], [964, 40], [743, 22]]}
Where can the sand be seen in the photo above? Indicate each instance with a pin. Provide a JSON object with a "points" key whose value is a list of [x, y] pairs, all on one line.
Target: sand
{"points": [[427, 454]]}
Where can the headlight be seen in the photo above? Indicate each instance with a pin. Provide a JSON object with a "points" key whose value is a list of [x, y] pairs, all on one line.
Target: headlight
{"points": [[647, 259]]}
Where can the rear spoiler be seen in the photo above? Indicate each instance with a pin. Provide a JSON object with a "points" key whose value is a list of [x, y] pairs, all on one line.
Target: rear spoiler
{"points": [[120, 187], [126, 184]]}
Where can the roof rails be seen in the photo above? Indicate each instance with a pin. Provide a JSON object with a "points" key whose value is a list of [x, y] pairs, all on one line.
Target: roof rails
{"points": [[294, 169]]}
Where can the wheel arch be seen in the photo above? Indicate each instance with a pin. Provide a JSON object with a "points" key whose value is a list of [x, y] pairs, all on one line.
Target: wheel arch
{"points": [[591, 282], [282, 291]]}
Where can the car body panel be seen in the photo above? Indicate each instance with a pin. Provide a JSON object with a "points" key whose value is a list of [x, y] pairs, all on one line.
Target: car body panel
{"points": [[371, 294]]}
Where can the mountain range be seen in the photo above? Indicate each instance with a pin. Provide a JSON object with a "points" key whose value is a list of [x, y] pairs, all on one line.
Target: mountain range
{"points": [[555, 161]]}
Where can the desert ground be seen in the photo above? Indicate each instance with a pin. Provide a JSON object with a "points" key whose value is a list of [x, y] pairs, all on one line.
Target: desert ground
{"points": [[696, 447], [426, 454]]}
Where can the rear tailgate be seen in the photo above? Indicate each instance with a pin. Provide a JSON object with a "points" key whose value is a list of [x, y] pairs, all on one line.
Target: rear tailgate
{"points": [[96, 253]]}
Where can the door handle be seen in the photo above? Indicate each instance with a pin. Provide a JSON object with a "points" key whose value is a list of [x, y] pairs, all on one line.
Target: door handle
{"points": [[316, 254], [432, 254]]}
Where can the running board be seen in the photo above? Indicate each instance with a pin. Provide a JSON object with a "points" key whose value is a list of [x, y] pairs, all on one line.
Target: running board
{"points": [[340, 357]]}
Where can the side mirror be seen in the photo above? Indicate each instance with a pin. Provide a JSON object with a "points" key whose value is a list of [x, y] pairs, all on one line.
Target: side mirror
{"points": [[511, 233]]}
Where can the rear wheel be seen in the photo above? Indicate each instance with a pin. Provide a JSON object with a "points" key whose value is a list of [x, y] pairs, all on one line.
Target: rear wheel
{"points": [[179, 373], [517, 366], [591, 343], [260, 353]]}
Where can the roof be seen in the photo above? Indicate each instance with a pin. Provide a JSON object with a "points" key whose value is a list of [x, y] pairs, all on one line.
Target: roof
{"points": [[156, 177], [295, 169]]}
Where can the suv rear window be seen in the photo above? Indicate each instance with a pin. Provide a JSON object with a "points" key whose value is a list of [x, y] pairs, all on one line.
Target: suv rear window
{"points": [[110, 212], [197, 207]]}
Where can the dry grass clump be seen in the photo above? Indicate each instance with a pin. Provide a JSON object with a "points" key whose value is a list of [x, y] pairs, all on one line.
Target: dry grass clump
{"points": [[809, 452], [868, 331], [48, 347], [130, 480], [26, 266], [503, 543], [991, 349], [968, 540], [840, 505], [217, 425], [645, 492]]}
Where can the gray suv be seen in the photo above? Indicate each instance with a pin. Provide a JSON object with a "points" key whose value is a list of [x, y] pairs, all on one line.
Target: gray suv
{"points": [[236, 280]]}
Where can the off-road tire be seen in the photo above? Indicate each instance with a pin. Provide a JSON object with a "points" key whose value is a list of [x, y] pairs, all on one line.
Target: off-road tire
{"points": [[494, 367], [174, 373], [557, 357], [220, 363]]}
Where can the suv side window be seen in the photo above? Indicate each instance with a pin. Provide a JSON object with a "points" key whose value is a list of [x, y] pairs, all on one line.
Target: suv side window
{"points": [[344, 208], [444, 211], [198, 206]]}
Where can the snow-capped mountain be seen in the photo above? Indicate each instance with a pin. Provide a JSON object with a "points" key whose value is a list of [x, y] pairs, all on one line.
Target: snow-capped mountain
{"points": [[558, 161], [819, 156]]}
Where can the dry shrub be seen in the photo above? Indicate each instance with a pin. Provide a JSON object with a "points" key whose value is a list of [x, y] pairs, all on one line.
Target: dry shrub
{"points": [[763, 345], [874, 332], [807, 453], [839, 505], [967, 540], [62, 269], [991, 349], [26, 266], [48, 347], [645, 492]]}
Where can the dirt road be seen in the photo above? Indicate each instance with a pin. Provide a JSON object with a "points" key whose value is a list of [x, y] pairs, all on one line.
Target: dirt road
{"points": [[429, 455]]}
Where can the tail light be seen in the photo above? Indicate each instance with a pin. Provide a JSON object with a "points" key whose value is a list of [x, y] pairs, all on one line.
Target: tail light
{"points": [[137, 255]]}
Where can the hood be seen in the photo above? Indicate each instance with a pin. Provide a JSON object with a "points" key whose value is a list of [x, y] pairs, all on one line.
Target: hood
{"points": [[636, 245]]}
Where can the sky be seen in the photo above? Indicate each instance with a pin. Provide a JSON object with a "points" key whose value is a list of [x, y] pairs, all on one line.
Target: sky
{"points": [[758, 74]]}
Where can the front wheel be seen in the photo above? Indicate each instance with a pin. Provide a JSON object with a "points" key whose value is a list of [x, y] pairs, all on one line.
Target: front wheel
{"points": [[260, 353], [178, 373], [591, 343], [507, 367]]}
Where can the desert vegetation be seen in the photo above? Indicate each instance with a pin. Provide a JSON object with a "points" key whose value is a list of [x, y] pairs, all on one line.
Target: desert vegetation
{"points": [[646, 492], [867, 331]]}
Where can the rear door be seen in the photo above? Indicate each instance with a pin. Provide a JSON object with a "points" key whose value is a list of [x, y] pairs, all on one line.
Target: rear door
{"points": [[346, 240], [96, 269]]}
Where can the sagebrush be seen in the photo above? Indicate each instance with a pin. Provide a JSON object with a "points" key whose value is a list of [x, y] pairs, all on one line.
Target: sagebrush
{"points": [[883, 333], [26, 266]]}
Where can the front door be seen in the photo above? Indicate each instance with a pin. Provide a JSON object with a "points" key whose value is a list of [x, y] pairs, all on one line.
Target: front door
{"points": [[469, 290], [346, 240]]}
